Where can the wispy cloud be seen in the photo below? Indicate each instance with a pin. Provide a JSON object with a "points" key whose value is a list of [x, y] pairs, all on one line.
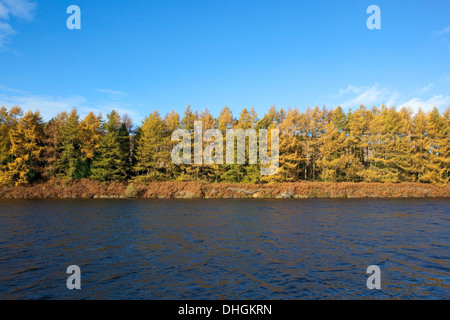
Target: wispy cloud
{"points": [[349, 89], [49, 106], [445, 31], [4, 12], [439, 101], [426, 88], [367, 96], [377, 96], [112, 93], [6, 31], [21, 9], [3, 88]]}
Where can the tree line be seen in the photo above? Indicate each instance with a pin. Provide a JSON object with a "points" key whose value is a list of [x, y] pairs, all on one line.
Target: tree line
{"points": [[372, 145]]}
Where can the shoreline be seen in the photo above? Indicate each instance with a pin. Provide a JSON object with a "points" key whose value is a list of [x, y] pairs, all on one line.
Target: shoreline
{"points": [[87, 189]]}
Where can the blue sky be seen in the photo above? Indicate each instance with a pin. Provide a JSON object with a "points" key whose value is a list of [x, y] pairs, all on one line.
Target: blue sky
{"points": [[137, 56]]}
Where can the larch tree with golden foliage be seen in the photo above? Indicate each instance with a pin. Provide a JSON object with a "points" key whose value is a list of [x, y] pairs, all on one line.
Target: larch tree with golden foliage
{"points": [[26, 138], [151, 154]]}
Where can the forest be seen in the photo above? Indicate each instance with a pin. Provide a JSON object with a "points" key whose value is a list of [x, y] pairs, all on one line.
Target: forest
{"points": [[377, 144]]}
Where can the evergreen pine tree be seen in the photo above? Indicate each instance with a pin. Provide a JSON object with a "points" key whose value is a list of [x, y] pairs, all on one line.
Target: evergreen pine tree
{"points": [[111, 160]]}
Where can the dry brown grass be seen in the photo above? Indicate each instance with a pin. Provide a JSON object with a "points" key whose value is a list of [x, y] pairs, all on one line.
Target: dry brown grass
{"points": [[86, 188]]}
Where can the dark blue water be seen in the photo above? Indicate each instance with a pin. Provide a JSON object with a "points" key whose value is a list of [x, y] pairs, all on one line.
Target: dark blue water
{"points": [[225, 249]]}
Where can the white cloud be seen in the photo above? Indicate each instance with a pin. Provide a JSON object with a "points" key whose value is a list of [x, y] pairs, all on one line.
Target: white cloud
{"points": [[368, 96], [3, 88], [21, 9], [377, 96], [112, 93], [350, 88], [4, 11], [393, 98], [426, 88], [6, 31], [49, 106], [445, 31], [439, 101]]}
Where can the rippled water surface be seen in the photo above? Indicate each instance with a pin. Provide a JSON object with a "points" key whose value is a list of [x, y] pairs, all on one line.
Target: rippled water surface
{"points": [[225, 249]]}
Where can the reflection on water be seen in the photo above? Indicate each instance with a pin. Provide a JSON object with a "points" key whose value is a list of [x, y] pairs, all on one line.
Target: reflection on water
{"points": [[225, 249]]}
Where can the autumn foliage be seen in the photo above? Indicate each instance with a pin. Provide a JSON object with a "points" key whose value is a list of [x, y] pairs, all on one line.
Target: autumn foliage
{"points": [[365, 145]]}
